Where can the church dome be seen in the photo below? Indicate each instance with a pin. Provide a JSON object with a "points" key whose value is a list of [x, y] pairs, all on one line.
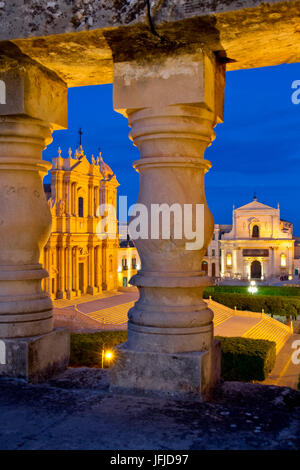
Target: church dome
{"points": [[105, 169]]}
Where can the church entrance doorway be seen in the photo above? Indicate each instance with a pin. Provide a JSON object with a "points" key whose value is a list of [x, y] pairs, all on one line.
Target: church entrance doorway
{"points": [[204, 266], [256, 270], [213, 270]]}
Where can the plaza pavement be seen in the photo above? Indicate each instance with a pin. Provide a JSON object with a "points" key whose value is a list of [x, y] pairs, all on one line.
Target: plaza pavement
{"points": [[110, 311]]}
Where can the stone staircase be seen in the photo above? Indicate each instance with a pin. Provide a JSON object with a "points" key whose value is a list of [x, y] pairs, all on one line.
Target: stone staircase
{"points": [[266, 327], [270, 329], [116, 315], [221, 313]]}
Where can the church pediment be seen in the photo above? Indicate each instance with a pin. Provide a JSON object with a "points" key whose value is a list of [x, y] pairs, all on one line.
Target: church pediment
{"points": [[255, 206]]}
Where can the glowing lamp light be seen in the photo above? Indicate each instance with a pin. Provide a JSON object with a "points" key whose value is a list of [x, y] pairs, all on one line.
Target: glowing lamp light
{"points": [[283, 261], [229, 259], [252, 288], [106, 356]]}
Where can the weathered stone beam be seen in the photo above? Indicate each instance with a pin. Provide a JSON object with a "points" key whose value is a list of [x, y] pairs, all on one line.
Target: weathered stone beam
{"points": [[80, 41]]}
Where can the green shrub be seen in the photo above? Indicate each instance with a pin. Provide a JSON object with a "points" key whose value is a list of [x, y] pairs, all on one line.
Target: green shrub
{"points": [[286, 306], [262, 290], [243, 359], [86, 348], [246, 359]]}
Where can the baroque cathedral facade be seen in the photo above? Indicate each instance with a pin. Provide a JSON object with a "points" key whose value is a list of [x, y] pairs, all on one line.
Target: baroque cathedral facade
{"points": [[258, 245], [78, 260]]}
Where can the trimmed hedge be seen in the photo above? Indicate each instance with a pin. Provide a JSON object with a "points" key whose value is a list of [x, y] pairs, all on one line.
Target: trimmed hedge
{"points": [[243, 359], [255, 303], [86, 348], [246, 359], [262, 290]]}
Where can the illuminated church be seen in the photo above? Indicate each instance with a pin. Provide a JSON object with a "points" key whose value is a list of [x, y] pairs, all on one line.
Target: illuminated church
{"points": [[77, 260], [258, 245]]}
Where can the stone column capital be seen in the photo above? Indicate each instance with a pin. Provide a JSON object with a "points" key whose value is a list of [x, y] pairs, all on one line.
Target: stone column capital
{"points": [[186, 79], [30, 90]]}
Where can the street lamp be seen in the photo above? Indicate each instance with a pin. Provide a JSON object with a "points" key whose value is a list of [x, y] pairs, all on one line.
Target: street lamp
{"points": [[252, 288]]}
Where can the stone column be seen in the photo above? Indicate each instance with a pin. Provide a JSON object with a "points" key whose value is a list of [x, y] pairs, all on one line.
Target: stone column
{"points": [[90, 199], [35, 104], [68, 198], [98, 261], [72, 198], [223, 262], [61, 271], [234, 262], [69, 271], [49, 272], [289, 261], [172, 105], [91, 270], [276, 262], [76, 270]]}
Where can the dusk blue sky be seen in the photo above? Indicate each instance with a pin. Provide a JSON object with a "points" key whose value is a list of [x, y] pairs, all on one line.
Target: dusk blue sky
{"points": [[257, 148]]}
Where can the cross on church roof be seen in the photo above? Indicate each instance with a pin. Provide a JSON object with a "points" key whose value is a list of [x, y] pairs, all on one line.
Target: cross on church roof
{"points": [[80, 135]]}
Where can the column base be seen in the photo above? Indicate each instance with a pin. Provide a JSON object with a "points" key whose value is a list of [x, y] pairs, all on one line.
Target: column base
{"points": [[35, 358], [61, 294], [181, 374], [72, 294]]}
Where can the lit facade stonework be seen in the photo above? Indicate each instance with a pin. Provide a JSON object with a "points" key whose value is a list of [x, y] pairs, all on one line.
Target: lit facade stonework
{"points": [[77, 260], [129, 262], [258, 245], [211, 263]]}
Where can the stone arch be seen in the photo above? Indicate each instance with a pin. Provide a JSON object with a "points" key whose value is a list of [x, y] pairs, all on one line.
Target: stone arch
{"points": [[254, 222]]}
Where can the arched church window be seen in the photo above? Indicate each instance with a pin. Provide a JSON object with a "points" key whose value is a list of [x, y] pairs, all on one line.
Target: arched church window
{"points": [[80, 207], [255, 231]]}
